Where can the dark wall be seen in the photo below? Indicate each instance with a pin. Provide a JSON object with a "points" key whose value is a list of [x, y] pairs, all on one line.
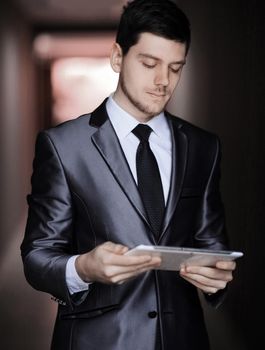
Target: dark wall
{"points": [[223, 91], [26, 316]]}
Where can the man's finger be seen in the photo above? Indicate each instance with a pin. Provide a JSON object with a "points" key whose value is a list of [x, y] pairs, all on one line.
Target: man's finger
{"points": [[204, 280], [208, 272], [114, 248], [204, 288], [121, 278], [124, 260], [226, 265]]}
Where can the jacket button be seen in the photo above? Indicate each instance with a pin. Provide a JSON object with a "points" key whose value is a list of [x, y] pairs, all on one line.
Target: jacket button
{"points": [[152, 314]]}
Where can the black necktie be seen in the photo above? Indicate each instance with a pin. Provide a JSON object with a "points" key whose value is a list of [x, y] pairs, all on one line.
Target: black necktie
{"points": [[149, 180]]}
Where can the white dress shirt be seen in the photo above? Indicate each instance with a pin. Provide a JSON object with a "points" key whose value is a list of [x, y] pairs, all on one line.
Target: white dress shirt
{"points": [[160, 144]]}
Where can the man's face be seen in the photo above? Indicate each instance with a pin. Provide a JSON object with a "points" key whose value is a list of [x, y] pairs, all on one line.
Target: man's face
{"points": [[149, 73]]}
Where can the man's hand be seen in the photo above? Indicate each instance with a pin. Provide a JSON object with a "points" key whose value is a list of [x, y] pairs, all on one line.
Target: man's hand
{"points": [[209, 279], [108, 264]]}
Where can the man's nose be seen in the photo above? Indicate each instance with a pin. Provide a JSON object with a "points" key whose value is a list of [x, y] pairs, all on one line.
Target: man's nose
{"points": [[162, 77]]}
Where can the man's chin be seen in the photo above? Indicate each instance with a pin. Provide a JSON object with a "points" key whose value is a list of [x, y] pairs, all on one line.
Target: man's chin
{"points": [[155, 110], [148, 113]]}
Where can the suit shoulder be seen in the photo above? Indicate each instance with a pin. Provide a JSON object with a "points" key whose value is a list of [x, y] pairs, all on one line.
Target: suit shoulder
{"points": [[69, 135], [69, 127], [193, 131]]}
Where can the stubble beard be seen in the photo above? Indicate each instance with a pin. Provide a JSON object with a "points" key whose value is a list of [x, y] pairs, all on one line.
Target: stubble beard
{"points": [[147, 110]]}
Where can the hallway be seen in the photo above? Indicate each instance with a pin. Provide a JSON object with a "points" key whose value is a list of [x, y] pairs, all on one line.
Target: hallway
{"points": [[222, 91]]}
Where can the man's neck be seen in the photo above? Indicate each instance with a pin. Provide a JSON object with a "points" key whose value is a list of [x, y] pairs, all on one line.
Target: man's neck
{"points": [[134, 112]]}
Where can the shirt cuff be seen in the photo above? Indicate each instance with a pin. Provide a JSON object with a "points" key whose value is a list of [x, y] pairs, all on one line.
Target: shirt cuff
{"points": [[74, 283]]}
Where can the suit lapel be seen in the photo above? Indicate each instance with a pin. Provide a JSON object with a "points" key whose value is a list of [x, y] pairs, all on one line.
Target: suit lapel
{"points": [[107, 144], [179, 161]]}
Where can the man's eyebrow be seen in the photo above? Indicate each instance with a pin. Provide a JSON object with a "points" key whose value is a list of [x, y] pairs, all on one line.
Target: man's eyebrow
{"points": [[146, 55]]}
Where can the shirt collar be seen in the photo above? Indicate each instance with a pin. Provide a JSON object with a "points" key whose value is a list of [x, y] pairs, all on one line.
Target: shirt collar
{"points": [[124, 123]]}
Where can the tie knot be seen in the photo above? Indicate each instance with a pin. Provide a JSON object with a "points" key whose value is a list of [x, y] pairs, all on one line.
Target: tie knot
{"points": [[142, 131]]}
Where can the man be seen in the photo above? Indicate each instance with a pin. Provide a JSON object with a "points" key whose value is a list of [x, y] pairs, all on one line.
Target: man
{"points": [[92, 200]]}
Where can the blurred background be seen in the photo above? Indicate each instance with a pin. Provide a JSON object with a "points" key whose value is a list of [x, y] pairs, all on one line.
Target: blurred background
{"points": [[54, 66]]}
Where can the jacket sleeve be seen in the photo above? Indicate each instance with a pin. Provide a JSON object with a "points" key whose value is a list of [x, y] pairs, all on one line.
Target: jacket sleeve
{"points": [[211, 230], [211, 233], [47, 243]]}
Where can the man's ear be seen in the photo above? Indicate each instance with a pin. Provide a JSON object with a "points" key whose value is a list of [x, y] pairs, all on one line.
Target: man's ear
{"points": [[116, 58]]}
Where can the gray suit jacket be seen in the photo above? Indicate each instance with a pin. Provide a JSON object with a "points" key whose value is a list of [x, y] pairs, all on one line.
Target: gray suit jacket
{"points": [[83, 194]]}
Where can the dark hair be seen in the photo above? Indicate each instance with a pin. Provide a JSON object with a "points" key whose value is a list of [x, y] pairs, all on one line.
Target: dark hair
{"points": [[160, 17]]}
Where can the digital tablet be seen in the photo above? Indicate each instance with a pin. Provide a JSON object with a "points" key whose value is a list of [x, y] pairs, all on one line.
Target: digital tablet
{"points": [[174, 257]]}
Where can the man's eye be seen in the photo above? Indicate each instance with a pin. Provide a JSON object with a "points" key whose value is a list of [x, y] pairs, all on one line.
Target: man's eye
{"points": [[175, 70], [148, 65]]}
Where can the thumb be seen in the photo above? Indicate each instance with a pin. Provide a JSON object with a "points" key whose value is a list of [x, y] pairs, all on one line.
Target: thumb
{"points": [[115, 248]]}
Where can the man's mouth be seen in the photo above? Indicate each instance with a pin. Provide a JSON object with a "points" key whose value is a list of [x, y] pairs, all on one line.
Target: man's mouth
{"points": [[156, 94]]}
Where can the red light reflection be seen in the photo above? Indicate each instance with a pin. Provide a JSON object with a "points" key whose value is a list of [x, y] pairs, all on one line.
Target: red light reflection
{"points": [[79, 85]]}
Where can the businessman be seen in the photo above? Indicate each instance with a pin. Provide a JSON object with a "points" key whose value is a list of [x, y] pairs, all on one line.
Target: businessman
{"points": [[129, 173]]}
